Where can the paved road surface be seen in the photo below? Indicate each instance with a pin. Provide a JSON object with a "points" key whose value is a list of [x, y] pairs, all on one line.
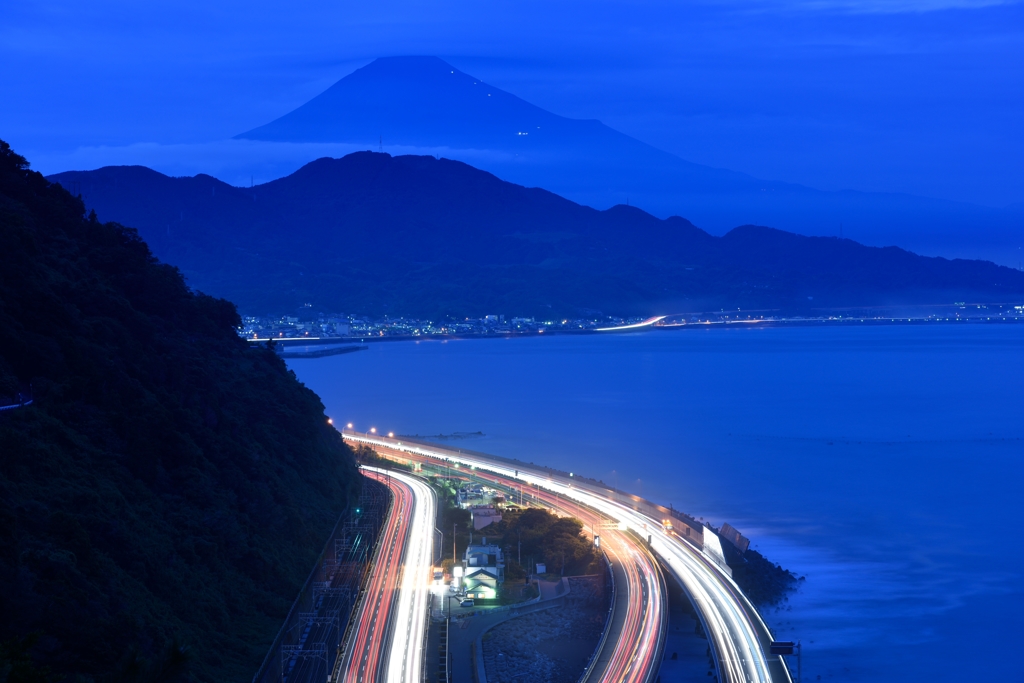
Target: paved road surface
{"points": [[738, 635], [387, 638], [631, 654]]}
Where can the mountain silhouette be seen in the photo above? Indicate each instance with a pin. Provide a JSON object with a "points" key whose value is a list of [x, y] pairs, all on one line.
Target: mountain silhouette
{"points": [[414, 235], [425, 104]]}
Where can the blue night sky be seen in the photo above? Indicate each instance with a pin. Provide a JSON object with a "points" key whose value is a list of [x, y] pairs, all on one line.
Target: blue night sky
{"points": [[920, 96]]}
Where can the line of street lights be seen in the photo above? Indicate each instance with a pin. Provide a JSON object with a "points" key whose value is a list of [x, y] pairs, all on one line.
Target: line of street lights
{"points": [[373, 430]]}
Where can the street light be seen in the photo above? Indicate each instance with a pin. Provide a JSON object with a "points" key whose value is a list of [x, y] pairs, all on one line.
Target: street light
{"points": [[391, 435], [373, 430], [350, 425]]}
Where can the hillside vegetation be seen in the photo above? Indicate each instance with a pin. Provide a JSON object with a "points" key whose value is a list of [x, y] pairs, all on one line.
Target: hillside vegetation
{"points": [[538, 535], [169, 489], [419, 236]]}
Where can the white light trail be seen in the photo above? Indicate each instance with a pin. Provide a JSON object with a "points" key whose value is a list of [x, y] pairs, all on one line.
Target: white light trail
{"points": [[634, 326], [737, 648], [408, 628]]}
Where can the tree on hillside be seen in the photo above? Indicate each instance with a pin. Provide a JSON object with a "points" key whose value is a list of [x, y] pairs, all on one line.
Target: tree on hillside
{"points": [[544, 536], [164, 497]]}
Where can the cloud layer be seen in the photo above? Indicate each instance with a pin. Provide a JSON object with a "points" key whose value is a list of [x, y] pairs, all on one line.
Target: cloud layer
{"points": [[920, 96]]}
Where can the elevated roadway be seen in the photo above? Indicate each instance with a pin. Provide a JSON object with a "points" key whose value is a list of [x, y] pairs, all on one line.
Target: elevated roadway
{"points": [[387, 638], [738, 636], [636, 632]]}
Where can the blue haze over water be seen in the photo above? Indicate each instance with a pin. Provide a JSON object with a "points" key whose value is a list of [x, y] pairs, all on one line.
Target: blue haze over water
{"points": [[884, 463]]}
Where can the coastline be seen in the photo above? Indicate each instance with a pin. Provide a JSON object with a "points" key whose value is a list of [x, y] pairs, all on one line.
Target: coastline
{"points": [[780, 322]]}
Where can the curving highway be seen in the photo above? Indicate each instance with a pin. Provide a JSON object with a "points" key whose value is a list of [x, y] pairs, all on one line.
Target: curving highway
{"points": [[387, 637], [737, 634], [634, 655]]}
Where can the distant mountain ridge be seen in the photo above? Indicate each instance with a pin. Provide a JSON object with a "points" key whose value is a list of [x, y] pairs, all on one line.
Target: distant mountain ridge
{"points": [[413, 235], [425, 103]]}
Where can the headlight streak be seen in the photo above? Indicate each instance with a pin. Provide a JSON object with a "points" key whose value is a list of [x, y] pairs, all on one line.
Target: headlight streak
{"points": [[725, 610], [405, 664], [634, 655], [362, 660], [390, 629]]}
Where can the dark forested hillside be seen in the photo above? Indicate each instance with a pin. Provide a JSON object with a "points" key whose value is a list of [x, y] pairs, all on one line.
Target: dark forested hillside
{"points": [[168, 490], [370, 233]]}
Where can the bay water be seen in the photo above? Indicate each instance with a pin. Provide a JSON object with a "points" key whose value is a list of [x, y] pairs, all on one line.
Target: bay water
{"points": [[883, 463]]}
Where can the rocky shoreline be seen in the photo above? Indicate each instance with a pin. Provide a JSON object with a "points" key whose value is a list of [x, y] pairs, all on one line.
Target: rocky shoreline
{"points": [[554, 645]]}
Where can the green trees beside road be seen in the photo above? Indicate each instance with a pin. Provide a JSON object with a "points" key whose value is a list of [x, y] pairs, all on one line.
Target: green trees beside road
{"points": [[535, 535]]}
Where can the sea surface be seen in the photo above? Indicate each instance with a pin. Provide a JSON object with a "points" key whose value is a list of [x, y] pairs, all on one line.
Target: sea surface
{"points": [[884, 463]]}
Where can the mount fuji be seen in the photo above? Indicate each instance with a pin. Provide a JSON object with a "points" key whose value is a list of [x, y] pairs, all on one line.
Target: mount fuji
{"points": [[426, 105]]}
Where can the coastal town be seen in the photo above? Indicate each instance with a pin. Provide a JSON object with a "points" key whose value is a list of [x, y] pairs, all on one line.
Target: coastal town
{"points": [[306, 324]]}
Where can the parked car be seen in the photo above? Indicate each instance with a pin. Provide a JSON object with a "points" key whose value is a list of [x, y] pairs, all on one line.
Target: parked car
{"points": [[466, 603]]}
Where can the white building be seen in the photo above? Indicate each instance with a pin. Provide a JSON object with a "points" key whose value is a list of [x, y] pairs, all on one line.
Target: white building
{"points": [[484, 569]]}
